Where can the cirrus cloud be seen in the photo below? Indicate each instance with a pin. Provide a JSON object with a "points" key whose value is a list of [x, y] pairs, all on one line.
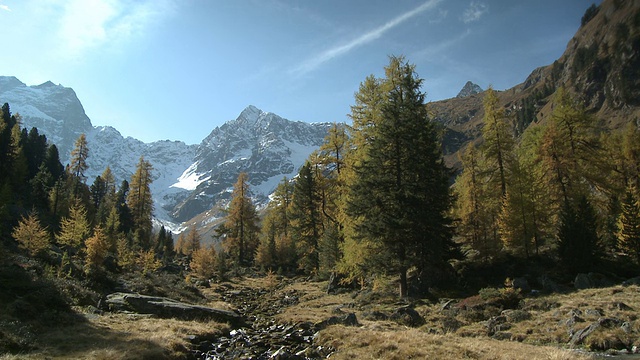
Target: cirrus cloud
{"points": [[474, 12]]}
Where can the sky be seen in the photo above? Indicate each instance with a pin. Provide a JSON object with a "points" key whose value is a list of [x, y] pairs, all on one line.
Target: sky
{"points": [[176, 69]]}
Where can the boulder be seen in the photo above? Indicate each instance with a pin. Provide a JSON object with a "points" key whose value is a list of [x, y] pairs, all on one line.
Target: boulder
{"points": [[591, 280], [346, 320], [168, 308], [407, 316]]}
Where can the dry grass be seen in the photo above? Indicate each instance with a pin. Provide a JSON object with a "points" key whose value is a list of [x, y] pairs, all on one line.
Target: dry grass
{"points": [[360, 343], [121, 337]]}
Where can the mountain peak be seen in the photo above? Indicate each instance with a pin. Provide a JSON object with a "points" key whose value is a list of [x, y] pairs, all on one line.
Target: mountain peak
{"points": [[469, 89], [250, 114], [46, 84], [10, 82]]}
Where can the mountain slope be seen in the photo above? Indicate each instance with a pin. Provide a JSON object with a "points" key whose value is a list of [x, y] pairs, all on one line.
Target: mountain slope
{"points": [[600, 67]]}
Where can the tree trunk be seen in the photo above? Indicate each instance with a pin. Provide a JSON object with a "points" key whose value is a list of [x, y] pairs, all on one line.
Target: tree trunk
{"points": [[403, 283]]}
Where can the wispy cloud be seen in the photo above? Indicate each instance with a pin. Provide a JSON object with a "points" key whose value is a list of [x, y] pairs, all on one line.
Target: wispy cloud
{"points": [[438, 49], [86, 24], [5, 7], [318, 59], [474, 12]]}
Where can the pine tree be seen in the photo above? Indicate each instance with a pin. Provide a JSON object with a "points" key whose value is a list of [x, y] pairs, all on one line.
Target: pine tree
{"points": [[399, 198], [306, 222], [628, 233], [241, 224], [140, 202], [31, 236], [578, 241]]}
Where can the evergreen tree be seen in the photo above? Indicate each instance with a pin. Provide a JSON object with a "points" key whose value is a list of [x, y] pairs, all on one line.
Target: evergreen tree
{"points": [[578, 242], [31, 236], [140, 202], [241, 224], [628, 233], [306, 224], [122, 208], [399, 198]]}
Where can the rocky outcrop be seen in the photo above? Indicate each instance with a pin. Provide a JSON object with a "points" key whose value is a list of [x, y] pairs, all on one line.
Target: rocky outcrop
{"points": [[469, 89], [168, 308]]}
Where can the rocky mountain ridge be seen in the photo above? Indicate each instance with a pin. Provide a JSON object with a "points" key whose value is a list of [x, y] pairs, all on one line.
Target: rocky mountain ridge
{"points": [[187, 179], [600, 68]]}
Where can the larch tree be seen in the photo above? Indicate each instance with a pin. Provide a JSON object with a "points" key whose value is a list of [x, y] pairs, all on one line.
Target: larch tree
{"points": [[31, 235], [476, 223], [241, 223], [78, 164], [74, 229], [191, 242], [498, 138], [140, 202], [400, 197], [97, 249]]}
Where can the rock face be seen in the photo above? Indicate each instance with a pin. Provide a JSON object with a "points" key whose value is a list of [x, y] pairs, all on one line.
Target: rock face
{"points": [[168, 308], [469, 89], [47, 106]]}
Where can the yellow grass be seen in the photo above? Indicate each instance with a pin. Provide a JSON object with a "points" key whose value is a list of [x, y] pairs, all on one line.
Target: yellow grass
{"points": [[121, 337], [361, 343]]}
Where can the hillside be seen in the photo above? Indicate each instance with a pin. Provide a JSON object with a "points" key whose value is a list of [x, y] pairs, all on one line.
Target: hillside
{"points": [[600, 67]]}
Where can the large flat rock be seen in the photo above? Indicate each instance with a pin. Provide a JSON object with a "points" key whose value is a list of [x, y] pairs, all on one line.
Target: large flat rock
{"points": [[169, 308]]}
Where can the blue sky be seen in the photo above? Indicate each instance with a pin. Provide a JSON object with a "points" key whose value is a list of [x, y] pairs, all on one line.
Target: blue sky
{"points": [[175, 69]]}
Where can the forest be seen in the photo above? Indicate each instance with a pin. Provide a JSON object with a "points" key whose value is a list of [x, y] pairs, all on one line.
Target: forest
{"points": [[375, 200]]}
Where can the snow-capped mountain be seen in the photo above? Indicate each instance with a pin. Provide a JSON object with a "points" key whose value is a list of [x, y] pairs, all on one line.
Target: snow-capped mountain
{"points": [[47, 106], [264, 145], [187, 179]]}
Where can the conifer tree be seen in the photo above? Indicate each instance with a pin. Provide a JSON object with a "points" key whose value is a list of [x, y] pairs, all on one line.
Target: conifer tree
{"points": [[97, 248], [74, 229], [191, 242], [578, 241], [476, 221], [498, 137], [78, 164], [203, 262], [241, 224], [306, 223], [180, 244], [628, 233], [31, 236], [399, 198], [140, 202]]}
